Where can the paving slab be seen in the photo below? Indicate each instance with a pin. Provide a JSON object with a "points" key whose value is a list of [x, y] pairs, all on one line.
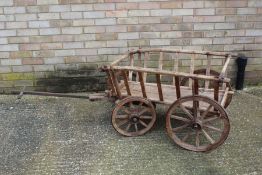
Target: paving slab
{"points": [[50, 135]]}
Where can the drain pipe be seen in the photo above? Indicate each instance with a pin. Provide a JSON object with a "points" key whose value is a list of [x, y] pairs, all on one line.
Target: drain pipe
{"points": [[241, 66]]}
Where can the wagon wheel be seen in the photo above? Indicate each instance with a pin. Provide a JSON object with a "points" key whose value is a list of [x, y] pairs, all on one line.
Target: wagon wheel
{"points": [[133, 116], [197, 123]]}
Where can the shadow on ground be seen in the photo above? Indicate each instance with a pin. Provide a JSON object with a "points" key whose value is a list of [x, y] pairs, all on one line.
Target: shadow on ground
{"points": [[48, 135]]}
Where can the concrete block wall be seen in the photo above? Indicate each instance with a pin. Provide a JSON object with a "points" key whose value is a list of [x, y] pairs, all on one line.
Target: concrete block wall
{"points": [[56, 45]]}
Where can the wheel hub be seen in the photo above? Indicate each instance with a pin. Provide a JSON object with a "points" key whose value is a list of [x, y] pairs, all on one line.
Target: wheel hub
{"points": [[134, 118], [196, 126]]}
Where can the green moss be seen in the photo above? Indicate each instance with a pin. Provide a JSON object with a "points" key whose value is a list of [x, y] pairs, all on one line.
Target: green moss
{"points": [[18, 76]]}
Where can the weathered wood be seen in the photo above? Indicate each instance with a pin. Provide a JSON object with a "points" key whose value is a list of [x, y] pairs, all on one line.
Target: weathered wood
{"points": [[165, 72], [216, 90], [169, 92], [126, 82], [142, 84], [120, 59], [208, 67], [197, 124], [225, 96], [139, 64], [116, 85], [192, 68], [131, 65], [186, 52], [110, 81], [177, 84], [175, 68], [146, 58], [160, 61], [158, 80], [195, 87], [125, 119], [223, 71]]}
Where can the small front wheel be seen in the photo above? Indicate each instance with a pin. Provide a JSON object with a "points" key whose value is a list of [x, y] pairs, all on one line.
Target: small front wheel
{"points": [[133, 116], [197, 123]]}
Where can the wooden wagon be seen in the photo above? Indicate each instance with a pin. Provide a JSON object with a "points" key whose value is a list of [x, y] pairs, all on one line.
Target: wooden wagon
{"points": [[198, 95]]}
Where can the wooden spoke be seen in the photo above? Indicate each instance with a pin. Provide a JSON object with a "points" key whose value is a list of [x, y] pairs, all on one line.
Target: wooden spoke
{"points": [[145, 117], [123, 122], [186, 111], [128, 126], [180, 118], [187, 136], [143, 111], [122, 116], [126, 110], [210, 119], [209, 138], [136, 128], [212, 128], [131, 105], [143, 123], [206, 111], [180, 127], [197, 138]]}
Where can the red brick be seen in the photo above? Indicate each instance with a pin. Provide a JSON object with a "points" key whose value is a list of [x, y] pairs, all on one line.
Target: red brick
{"points": [[31, 61], [126, 6]]}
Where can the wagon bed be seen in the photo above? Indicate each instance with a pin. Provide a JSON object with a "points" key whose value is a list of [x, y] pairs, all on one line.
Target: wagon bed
{"points": [[201, 94]]}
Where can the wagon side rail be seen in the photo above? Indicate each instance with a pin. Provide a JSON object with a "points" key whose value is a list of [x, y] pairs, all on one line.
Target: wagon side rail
{"points": [[115, 70]]}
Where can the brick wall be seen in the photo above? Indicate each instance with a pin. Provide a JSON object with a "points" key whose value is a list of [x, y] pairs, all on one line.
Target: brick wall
{"points": [[56, 45]]}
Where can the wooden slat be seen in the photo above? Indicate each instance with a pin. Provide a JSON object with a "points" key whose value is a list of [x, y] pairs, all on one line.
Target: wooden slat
{"points": [[166, 72], [116, 85], [122, 57], [177, 84], [126, 82], [216, 90], [192, 67], [169, 92], [158, 81], [223, 101], [160, 61], [139, 64], [131, 65], [186, 52], [146, 58], [207, 82], [175, 68], [224, 69], [142, 84], [195, 87]]}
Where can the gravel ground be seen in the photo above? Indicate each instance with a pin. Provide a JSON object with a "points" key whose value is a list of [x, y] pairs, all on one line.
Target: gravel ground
{"points": [[49, 135]]}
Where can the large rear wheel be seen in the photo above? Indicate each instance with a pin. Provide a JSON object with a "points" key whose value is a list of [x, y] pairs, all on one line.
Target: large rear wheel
{"points": [[197, 123]]}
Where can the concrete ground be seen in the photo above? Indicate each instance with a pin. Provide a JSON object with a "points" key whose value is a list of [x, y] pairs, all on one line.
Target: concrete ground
{"points": [[49, 135]]}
